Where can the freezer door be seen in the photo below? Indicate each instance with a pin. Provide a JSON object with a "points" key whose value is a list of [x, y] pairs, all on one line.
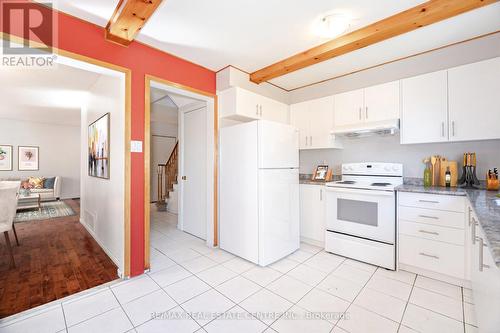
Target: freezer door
{"points": [[278, 145], [278, 214]]}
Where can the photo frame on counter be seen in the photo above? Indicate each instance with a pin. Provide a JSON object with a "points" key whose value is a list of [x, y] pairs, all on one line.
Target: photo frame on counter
{"points": [[321, 173], [6, 157], [28, 158]]}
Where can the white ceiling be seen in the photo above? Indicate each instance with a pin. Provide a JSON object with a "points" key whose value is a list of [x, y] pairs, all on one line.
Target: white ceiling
{"points": [[165, 105], [53, 96], [253, 34]]}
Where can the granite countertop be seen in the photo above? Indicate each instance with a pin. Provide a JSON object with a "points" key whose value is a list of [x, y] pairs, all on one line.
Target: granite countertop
{"points": [[485, 204], [305, 178]]}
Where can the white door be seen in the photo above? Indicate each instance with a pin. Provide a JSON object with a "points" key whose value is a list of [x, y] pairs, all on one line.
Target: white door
{"points": [[278, 214], [349, 108], [424, 111], [321, 122], [194, 197], [382, 102], [161, 148], [474, 101], [299, 118]]}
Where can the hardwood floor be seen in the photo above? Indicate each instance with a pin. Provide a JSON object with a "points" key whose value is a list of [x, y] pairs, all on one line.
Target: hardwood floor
{"points": [[56, 258]]}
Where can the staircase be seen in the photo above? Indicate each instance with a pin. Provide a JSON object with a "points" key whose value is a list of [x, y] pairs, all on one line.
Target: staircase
{"points": [[167, 182]]}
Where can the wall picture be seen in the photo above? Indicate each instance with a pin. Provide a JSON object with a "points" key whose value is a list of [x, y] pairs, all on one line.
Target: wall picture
{"points": [[28, 158], [98, 147], [5, 158]]}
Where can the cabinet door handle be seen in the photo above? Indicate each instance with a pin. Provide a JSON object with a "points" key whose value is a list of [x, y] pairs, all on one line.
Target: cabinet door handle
{"points": [[428, 255], [366, 112], [257, 109], [429, 201], [453, 128], [311, 140], [260, 108], [429, 217], [481, 254], [473, 231], [442, 129], [320, 194], [470, 218], [360, 110], [429, 232]]}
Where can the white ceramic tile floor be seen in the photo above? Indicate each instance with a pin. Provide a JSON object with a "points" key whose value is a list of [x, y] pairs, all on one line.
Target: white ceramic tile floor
{"points": [[194, 288]]}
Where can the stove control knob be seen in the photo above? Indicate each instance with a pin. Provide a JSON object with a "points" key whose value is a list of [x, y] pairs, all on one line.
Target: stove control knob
{"points": [[387, 168], [395, 168]]}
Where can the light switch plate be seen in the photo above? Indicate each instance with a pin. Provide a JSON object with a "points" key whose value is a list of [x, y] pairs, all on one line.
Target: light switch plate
{"points": [[136, 146]]}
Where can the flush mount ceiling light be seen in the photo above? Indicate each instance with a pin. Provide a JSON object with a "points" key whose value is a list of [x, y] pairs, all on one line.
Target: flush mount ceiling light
{"points": [[331, 25]]}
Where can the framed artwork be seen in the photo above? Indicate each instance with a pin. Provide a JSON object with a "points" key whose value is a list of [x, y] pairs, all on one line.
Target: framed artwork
{"points": [[5, 158], [28, 159], [98, 148]]}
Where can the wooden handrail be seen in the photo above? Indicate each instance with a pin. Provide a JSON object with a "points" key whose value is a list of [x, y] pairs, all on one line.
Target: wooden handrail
{"points": [[167, 175]]}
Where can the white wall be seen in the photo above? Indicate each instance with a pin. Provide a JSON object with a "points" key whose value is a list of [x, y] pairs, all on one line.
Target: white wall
{"points": [[388, 149], [102, 200], [59, 151], [164, 130]]}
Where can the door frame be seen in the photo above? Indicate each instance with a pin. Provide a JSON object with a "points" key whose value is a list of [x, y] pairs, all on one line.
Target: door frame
{"points": [[213, 151], [128, 120]]}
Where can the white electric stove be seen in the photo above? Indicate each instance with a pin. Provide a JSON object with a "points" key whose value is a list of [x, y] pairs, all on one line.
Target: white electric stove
{"points": [[361, 213]]}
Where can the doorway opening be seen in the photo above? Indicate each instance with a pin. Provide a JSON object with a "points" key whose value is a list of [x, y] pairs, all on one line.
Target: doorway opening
{"points": [[67, 233], [181, 156]]}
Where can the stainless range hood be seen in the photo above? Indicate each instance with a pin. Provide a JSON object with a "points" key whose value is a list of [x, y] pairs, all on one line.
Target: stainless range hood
{"points": [[380, 128]]}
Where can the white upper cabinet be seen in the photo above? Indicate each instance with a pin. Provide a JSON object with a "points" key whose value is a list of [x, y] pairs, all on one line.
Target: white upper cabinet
{"points": [[243, 105], [299, 118], [424, 108], [474, 101], [363, 106], [382, 102], [348, 108], [314, 119]]}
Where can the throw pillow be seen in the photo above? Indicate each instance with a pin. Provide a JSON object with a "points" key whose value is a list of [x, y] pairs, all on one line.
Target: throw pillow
{"points": [[49, 183], [37, 182]]}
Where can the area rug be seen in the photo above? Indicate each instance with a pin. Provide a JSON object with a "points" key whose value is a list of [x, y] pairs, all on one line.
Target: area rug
{"points": [[49, 210]]}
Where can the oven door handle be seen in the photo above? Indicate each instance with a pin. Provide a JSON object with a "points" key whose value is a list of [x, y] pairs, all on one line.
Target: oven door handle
{"points": [[358, 191]]}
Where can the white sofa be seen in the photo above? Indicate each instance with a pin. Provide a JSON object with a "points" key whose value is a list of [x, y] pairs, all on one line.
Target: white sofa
{"points": [[46, 194]]}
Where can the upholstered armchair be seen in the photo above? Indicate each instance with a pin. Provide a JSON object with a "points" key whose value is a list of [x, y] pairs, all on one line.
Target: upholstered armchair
{"points": [[8, 207]]}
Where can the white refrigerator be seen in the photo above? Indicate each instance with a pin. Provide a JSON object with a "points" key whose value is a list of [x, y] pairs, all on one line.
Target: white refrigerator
{"points": [[259, 191]]}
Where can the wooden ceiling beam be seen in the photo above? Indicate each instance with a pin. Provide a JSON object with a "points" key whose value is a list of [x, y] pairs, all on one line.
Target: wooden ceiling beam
{"points": [[414, 18], [128, 19]]}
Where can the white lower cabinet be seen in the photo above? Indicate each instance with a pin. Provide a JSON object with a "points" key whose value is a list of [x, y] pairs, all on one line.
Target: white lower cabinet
{"points": [[485, 277], [312, 214], [431, 232], [440, 237]]}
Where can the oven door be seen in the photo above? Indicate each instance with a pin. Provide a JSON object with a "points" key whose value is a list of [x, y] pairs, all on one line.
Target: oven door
{"points": [[369, 214]]}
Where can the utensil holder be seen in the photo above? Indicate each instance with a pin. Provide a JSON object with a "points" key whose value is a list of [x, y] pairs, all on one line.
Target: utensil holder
{"points": [[492, 184]]}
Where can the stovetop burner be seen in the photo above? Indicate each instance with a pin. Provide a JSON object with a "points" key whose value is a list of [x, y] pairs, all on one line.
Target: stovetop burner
{"points": [[381, 184]]}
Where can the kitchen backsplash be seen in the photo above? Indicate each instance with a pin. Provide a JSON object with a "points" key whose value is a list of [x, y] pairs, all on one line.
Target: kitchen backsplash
{"points": [[388, 149]]}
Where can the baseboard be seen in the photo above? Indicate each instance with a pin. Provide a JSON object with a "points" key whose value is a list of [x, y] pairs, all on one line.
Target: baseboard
{"points": [[104, 248], [312, 242], [435, 276]]}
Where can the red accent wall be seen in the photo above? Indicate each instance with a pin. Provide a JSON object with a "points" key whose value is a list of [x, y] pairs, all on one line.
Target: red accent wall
{"points": [[84, 38]]}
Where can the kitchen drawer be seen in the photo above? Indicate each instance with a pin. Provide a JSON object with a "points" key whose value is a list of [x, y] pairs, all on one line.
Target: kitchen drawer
{"points": [[440, 218], [432, 232], [434, 256], [433, 201]]}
